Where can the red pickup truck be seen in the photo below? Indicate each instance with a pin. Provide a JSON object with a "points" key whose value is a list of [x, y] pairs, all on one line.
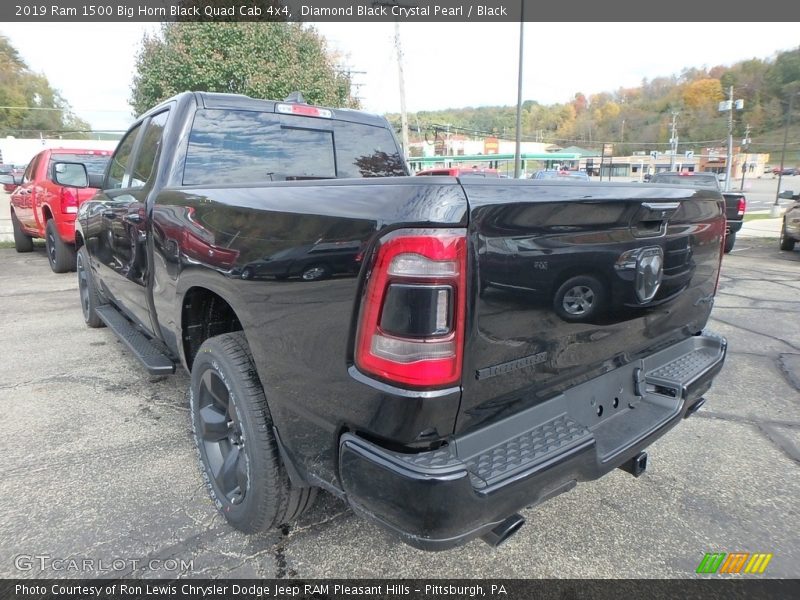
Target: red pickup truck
{"points": [[45, 203]]}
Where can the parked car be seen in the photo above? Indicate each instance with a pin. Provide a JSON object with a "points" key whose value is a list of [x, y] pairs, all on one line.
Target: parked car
{"points": [[735, 202], [785, 171], [46, 198], [561, 175], [309, 262], [460, 172], [434, 410], [790, 228]]}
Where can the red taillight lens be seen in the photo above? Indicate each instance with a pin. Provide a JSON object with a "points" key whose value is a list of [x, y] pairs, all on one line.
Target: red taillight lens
{"points": [[411, 323], [69, 200], [741, 206]]}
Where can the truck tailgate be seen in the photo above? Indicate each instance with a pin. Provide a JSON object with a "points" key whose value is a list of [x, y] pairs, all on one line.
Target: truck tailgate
{"points": [[574, 280]]}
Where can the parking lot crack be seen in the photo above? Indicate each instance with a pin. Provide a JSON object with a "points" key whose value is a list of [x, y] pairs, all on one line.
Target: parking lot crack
{"points": [[753, 331]]}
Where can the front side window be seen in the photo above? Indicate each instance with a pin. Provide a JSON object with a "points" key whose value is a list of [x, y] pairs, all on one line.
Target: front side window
{"points": [[237, 146], [148, 151], [117, 177], [28, 176]]}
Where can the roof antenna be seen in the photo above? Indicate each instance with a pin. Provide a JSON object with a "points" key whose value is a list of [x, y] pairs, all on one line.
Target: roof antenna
{"points": [[295, 97]]}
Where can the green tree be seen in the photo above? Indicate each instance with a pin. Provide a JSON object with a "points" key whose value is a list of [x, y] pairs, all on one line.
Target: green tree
{"points": [[262, 60], [31, 107]]}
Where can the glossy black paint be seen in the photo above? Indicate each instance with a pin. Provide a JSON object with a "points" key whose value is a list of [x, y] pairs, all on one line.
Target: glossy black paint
{"points": [[152, 248], [527, 237]]}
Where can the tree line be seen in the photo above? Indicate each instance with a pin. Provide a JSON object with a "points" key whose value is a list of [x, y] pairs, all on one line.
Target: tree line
{"points": [[640, 118]]}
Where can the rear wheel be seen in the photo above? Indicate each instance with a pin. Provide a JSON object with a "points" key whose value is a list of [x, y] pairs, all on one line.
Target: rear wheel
{"points": [[22, 242], [315, 273], [579, 298], [232, 428], [730, 240], [787, 243], [60, 254]]}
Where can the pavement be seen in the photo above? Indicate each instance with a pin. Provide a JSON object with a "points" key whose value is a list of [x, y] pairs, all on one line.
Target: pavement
{"points": [[98, 463]]}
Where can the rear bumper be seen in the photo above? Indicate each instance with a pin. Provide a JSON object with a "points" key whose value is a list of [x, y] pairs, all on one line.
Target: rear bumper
{"points": [[439, 499]]}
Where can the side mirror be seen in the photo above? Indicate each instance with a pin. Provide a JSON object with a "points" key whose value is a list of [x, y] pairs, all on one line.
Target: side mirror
{"points": [[787, 194], [71, 174]]}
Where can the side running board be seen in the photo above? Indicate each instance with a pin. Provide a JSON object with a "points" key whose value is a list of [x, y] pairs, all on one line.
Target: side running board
{"points": [[154, 360]]}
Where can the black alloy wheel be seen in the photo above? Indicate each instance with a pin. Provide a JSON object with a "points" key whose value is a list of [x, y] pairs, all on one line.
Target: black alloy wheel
{"points": [[220, 432]]}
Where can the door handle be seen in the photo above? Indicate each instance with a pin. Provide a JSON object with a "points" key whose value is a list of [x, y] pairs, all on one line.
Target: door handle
{"points": [[109, 214], [133, 218]]}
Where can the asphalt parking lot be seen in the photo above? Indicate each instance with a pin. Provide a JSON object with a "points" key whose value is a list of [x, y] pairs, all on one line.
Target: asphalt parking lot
{"points": [[98, 462]]}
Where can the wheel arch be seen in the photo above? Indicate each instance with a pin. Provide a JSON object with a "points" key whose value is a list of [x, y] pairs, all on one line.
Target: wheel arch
{"points": [[205, 313]]}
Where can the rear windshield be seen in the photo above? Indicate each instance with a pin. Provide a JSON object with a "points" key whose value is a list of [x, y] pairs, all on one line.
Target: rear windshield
{"points": [[239, 146], [708, 182], [95, 163]]}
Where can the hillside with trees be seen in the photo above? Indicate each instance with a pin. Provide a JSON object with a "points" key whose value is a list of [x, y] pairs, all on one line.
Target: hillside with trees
{"points": [[29, 106], [640, 118]]}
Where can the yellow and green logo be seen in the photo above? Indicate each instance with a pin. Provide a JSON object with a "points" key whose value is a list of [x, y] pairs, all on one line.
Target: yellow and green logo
{"points": [[735, 562]]}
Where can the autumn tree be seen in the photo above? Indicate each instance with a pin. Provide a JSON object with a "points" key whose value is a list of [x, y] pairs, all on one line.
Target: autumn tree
{"points": [[30, 105], [262, 60]]}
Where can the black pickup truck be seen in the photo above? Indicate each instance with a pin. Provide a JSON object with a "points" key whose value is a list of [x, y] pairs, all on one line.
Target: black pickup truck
{"points": [[422, 384], [735, 202]]}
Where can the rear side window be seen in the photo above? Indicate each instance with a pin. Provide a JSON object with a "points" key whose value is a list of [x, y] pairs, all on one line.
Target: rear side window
{"points": [[237, 146]]}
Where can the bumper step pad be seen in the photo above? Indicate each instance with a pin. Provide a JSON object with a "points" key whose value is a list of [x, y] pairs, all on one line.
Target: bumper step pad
{"points": [[154, 360]]}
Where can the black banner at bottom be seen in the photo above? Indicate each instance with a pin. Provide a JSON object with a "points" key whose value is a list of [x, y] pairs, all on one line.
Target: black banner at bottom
{"points": [[398, 589]]}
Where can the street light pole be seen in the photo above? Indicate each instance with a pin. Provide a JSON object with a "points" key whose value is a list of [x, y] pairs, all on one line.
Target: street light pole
{"points": [[518, 139]]}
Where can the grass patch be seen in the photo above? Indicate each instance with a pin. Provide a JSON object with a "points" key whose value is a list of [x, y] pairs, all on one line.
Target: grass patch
{"points": [[758, 217]]}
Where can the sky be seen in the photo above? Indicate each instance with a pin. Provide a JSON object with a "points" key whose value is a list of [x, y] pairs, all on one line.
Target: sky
{"points": [[445, 65]]}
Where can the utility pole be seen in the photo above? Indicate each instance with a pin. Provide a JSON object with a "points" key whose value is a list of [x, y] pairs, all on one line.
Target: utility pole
{"points": [[776, 209], [673, 140], [730, 105], [403, 113], [746, 144]]}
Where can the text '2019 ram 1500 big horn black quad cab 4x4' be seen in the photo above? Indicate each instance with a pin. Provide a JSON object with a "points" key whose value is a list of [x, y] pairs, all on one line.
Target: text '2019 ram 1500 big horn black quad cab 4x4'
{"points": [[491, 343]]}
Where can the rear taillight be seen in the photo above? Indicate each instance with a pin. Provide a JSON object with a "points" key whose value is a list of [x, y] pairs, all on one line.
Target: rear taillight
{"points": [[411, 322], [69, 200], [741, 206]]}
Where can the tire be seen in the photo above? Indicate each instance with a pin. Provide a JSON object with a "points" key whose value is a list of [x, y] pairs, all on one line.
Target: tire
{"points": [[579, 298], [232, 429], [90, 299], [247, 273], [730, 240], [22, 242], [787, 243], [316, 272], [60, 254]]}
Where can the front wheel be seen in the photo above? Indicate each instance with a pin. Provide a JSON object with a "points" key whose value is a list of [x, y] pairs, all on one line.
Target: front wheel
{"points": [[22, 242], [730, 240], [60, 254], [232, 428], [787, 243]]}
